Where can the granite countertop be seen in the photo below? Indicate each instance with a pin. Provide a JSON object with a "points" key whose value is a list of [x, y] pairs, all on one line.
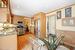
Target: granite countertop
{"points": [[8, 32], [7, 29]]}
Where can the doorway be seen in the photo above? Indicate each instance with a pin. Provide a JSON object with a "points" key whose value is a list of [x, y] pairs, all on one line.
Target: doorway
{"points": [[37, 28]]}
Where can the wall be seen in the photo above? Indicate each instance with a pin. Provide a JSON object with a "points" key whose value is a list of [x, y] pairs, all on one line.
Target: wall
{"points": [[60, 27], [17, 18], [59, 21], [21, 18], [42, 18], [25, 20], [67, 31]]}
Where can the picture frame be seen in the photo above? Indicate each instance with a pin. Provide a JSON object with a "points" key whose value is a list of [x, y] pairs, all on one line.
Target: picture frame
{"points": [[68, 22], [58, 14], [68, 12]]}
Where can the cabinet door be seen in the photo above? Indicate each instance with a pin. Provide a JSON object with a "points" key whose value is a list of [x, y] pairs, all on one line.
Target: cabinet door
{"points": [[8, 42]]}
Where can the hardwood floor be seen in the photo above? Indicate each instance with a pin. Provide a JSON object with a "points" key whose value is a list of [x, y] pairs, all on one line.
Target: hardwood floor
{"points": [[24, 40]]}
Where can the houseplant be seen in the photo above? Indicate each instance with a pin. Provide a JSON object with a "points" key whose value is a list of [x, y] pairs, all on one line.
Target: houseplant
{"points": [[53, 43]]}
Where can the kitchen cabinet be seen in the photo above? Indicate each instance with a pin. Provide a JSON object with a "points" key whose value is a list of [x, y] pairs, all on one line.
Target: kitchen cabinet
{"points": [[8, 42]]}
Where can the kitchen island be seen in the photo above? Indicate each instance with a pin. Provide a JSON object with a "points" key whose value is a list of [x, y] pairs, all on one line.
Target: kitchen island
{"points": [[8, 42], [8, 37]]}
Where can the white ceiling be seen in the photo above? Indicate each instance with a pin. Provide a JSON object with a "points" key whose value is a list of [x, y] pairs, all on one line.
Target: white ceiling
{"points": [[30, 7]]}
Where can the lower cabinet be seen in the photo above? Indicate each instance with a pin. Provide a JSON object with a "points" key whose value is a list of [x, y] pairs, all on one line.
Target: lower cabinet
{"points": [[8, 42]]}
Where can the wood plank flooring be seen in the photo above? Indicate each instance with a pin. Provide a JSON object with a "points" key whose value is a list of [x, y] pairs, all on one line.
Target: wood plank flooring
{"points": [[24, 40]]}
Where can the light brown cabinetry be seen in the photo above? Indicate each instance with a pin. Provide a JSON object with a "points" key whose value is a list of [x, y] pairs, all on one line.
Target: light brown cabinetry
{"points": [[40, 23]]}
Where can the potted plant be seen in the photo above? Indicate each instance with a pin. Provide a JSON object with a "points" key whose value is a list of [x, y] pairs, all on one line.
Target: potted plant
{"points": [[53, 43]]}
